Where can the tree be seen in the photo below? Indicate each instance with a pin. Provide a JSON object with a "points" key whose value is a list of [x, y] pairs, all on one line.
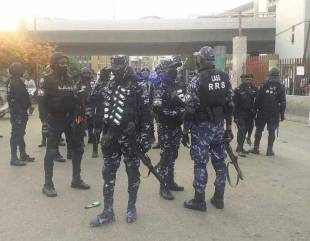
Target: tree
{"points": [[16, 49]]}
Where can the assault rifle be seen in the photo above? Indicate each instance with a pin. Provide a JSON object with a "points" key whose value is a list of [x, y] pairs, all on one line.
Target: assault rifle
{"points": [[233, 161]]}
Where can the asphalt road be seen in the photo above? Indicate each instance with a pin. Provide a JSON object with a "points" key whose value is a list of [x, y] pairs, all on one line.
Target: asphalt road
{"points": [[272, 204]]}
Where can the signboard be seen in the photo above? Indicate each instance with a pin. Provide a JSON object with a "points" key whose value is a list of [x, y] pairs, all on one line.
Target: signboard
{"points": [[300, 70]]}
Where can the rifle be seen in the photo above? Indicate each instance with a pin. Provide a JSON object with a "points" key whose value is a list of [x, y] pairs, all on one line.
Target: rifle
{"points": [[115, 131], [233, 161], [146, 160]]}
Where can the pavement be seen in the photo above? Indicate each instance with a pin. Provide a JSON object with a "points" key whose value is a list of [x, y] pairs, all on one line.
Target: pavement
{"points": [[271, 204]]}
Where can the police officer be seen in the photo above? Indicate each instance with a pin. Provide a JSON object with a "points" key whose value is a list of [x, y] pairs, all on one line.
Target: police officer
{"points": [[126, 130], [244, 112], [62, 107], [209, 106], [97, 102], [169, 106], [270, 105], [42, 116], [19, 103], [155, 80], [86, 89]]}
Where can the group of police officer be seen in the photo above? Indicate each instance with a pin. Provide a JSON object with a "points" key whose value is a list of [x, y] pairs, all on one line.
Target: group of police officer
{"points": [[121, 107]]}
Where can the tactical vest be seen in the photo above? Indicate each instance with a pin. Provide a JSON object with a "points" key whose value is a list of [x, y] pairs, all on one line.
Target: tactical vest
{"points": [[269, 101], [212, 92], [119, 105]]}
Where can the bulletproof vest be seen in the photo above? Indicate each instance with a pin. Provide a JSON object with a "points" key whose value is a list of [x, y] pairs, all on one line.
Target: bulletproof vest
{"points": [[213, 88], [269, 100], [119, 105], [212, 91]]}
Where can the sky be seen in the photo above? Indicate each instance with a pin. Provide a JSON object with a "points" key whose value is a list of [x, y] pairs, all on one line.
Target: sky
{"points": [[13, 10]]}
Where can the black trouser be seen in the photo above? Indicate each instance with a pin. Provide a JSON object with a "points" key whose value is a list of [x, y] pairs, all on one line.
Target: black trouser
{"points": [[74, 139], [244, 124], [272, 125], [97, 132], [19, 123]]}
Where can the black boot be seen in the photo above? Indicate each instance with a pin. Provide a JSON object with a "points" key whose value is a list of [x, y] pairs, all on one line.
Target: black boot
{"points": [[49, 190], [14, 159], [16, 162], [77, 182], [27, 158], [197, 203], [165, 193], [95, 151], [131, 215], [107, 215], [218, 198], [80, 185], [258, 136], [271, 139], [23, 155]]}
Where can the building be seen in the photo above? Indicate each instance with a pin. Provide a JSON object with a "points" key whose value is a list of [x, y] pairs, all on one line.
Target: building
{"points": [[100, 62], [292, 30], [83, 61], [260, 8]]}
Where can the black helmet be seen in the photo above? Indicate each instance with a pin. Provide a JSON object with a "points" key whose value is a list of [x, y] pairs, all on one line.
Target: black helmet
{"points": [[274, 72], [170, 64], [204, 56], [85, 71], [17, 70], [119, 62]]}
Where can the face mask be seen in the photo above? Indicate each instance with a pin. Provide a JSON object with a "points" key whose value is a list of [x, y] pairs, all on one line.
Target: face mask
{"points": [[63, 70]]}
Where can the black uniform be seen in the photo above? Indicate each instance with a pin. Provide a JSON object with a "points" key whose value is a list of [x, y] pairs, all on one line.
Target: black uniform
{"points": [[19, 103], [96, 100], [244, 112], [270, 105], [62, 107]]}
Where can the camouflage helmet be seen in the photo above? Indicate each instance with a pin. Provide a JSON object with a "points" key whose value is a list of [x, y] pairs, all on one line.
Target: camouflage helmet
{"points": [[204, 56], [119, 62]]}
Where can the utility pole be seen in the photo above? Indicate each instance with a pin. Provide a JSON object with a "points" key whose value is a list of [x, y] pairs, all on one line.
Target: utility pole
{"points": [[240, 24], [307, 41]]}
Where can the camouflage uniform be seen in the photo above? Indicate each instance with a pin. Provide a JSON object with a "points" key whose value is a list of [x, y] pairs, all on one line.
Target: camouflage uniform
{"points": [[119, 141], [208, 105]]}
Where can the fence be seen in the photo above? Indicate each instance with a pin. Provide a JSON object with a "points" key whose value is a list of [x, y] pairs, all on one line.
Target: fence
{"points": [[295, 74], [259, 66]]}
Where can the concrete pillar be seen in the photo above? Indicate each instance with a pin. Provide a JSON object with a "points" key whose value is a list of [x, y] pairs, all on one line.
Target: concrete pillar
{"points": [[239, 58], [220, 57]]}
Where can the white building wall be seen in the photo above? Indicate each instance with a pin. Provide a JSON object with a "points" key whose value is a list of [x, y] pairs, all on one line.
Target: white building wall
{"points": [[290, 13]]}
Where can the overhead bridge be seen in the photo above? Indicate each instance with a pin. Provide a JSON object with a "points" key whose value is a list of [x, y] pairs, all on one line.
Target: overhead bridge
{"points": [[153, 37]]}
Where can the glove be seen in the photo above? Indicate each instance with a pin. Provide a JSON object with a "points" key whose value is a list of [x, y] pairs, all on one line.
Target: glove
{"points": [[228, 135], [185, 138]]}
